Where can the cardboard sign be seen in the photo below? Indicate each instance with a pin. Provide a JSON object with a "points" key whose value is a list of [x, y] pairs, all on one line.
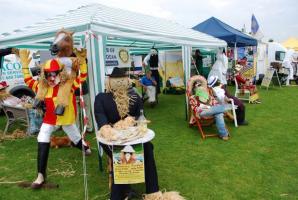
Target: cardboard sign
{"points": [[128, 164], [268, 77]]}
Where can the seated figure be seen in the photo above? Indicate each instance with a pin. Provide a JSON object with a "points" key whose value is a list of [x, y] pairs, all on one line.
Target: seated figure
{"points": [[245, 83], [204, 105], [224, 96], [149, 84]]}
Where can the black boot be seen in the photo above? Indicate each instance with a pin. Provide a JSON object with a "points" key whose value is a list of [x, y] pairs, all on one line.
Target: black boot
{"points": [[59, 110], [42, 160], [87, 149]]}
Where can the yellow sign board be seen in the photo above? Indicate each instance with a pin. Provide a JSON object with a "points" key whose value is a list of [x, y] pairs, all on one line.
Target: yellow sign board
{"points": [[128, 164]]}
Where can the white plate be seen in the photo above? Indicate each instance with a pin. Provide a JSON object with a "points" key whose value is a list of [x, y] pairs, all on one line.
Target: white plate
{"points": [[147, 137]]}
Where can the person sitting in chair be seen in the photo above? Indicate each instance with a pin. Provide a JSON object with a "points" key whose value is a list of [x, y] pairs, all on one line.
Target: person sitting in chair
{"points": [[245, 83], [222, 93], [149, 84], [204, 105]]}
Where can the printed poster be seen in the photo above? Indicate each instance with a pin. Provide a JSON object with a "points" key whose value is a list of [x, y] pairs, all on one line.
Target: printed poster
{"points": [[128, 164]]}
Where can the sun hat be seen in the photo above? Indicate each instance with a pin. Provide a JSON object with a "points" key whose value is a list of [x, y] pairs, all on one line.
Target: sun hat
{"points": [[128, 149], [212, 80]]}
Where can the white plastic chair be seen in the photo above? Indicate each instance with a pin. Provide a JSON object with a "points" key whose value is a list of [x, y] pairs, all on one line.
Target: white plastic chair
{"points": [[243, 94]]}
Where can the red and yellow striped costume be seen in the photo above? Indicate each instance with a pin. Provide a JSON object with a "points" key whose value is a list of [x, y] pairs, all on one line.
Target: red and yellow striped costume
{"points": [[50, 117]]}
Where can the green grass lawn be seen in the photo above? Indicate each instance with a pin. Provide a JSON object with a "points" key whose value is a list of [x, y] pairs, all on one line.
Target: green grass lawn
{"points": [[260, 161]]}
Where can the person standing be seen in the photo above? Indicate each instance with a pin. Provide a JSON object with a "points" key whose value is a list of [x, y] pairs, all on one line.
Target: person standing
{"points": [[220, 67], [199, 61], [153, 62]]}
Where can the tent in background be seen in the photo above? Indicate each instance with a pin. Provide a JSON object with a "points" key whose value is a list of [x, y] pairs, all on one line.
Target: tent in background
{"points": [[291, 43], [221, 30]]}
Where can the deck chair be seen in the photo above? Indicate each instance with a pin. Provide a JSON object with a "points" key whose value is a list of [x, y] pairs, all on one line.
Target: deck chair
{"points": [[15, 114], [243, 94], [193, 119]]}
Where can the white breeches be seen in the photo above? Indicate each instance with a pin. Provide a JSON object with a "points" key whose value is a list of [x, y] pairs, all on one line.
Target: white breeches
{"points": [[151, 92], [46, 131]]}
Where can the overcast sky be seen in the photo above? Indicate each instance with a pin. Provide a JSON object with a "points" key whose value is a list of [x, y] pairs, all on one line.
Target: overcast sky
{"points": [[277, 19]]}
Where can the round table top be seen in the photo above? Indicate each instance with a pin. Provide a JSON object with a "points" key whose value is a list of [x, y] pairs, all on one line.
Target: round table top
{"points": [[147, 137]]}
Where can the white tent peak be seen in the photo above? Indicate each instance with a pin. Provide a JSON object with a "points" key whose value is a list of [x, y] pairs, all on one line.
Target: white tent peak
{"points": [[110, 21]]}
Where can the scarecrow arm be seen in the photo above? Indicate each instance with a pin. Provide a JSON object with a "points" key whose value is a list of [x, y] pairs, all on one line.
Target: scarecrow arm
{"points": [[25, 61], [240, 79], [81, 78], [81, 59], [100, 116], [196, 106]]}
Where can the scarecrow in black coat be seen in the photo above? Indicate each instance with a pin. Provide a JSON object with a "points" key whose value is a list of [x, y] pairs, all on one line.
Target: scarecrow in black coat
{"points": [[117, 103], [154, 64]]}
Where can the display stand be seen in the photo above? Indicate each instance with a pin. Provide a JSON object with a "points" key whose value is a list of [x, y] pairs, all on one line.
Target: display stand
{"points": [[271, 72]]}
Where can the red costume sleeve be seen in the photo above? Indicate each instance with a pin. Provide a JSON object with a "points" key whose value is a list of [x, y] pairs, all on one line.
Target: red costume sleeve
{"points": [[240, 79]]}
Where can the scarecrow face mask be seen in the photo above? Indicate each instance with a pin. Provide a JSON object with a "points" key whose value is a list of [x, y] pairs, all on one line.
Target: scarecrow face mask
{"points": [[118, 83], [62, 45], [202, 94], [153, 52], [52, 78]]}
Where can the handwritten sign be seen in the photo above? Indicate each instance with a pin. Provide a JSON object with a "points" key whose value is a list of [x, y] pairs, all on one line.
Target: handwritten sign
{"points": [[268, 77]]}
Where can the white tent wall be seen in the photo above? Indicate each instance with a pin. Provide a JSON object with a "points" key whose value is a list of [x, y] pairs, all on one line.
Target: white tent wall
{"points": [[186, 60]]}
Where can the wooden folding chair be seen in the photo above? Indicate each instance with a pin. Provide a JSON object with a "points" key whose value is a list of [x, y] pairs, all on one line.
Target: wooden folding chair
{"points": [[193, 119], [200, 123]]}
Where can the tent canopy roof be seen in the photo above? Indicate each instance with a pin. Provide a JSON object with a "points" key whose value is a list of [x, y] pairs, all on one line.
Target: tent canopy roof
{"points": [[291, 43], [117, 23], [221, 30]]}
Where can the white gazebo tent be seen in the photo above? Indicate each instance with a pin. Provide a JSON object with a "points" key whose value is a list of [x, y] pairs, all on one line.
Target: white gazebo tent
{"points": [[98, 26]]}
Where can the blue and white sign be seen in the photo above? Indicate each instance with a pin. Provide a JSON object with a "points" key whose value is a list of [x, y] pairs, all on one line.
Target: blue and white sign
{"points": [[117, 57]]}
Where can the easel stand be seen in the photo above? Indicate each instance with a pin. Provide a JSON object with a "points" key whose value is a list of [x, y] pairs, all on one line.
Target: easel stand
{"points": [[270, 74]]}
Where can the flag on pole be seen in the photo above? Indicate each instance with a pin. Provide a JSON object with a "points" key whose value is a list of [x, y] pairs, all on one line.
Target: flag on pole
{"points": [[255, 28]]}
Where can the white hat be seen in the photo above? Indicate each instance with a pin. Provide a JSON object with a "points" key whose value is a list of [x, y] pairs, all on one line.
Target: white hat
{"points": [[212, 80], [128, 149]]}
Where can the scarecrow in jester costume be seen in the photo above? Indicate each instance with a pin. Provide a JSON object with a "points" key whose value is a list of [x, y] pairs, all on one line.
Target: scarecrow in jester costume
{"points": [[56, 86]]}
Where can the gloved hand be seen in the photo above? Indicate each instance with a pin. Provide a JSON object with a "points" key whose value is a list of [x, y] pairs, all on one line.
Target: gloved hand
{"points": [[81, 55], [24, 58]]}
